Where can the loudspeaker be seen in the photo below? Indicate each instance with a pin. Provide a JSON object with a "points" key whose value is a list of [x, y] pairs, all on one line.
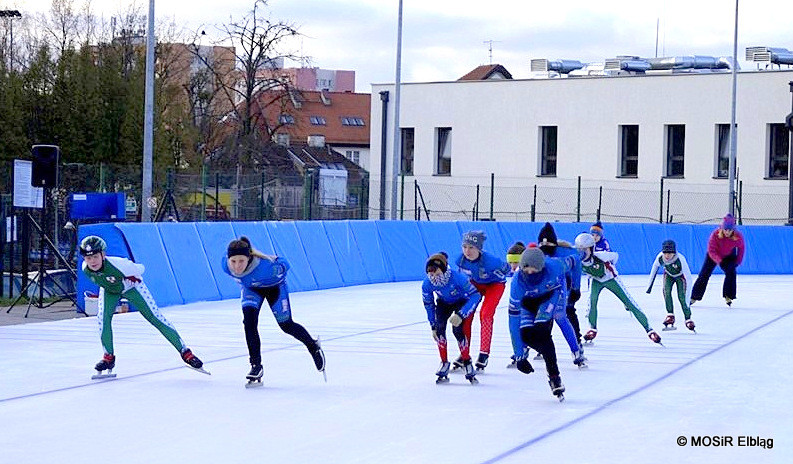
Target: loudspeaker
{"points": [[45, 165]]}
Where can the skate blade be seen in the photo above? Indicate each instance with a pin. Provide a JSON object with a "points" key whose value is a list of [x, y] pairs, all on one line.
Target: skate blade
{"points": [[324, 375], [254, 384], [560, 397], [103, 376], [583, 366], [668, 328], [480, 368], [201, 370], [511, 366], [442, 380], [473, 380]]}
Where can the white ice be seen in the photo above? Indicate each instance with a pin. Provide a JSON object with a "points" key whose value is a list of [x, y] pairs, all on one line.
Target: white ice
{"points": [[381, 404]]}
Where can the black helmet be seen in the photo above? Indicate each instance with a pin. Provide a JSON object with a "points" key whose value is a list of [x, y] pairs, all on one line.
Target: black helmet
{"points": [[92, 245], [668, 246]]}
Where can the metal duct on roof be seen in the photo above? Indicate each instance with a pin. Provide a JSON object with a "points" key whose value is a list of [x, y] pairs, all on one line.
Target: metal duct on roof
{"points": [[564, 66], [688, 62]]}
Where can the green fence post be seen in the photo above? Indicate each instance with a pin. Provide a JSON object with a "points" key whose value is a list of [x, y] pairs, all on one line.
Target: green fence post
{"points": [[534, 204], [578, 202], [492, 192], [661, 207], [402, 197], [203, 215]]}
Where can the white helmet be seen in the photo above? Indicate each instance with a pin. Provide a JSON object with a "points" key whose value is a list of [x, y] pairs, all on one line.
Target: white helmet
{"points": [[584, 240]]}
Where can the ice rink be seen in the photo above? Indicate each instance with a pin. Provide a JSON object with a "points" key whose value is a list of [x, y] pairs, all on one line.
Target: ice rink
{"points": [[637, 401]]}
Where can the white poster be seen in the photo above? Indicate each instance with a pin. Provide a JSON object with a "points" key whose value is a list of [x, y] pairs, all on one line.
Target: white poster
{"points": [[333, 187], [25, 194]]}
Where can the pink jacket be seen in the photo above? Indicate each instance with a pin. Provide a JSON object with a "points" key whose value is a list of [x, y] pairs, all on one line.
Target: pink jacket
{"points": [[720, 246]]}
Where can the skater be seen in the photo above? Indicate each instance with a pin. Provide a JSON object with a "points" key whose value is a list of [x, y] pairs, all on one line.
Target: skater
{"points": [[676, 273], [456, 303], [536, 292], [488, 273], [725, 248], [599, 265], [567, 319], [601, 244], [119, 278], [513, 256], [263, 277]]}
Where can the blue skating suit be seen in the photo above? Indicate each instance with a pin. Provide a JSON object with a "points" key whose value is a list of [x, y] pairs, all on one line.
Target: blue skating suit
{"points": [[260, 274], [457, 289], [574, 274], [486, 269], [550, 285]]}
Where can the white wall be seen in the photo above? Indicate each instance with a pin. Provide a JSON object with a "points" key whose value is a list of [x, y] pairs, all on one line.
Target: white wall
{"points": [[495, 128]]}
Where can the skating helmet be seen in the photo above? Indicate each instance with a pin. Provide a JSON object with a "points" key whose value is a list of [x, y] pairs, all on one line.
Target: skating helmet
{"points": [[668, 246], [584, 240], [92, 245]]}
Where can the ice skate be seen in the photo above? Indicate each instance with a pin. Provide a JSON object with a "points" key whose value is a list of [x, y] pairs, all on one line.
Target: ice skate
{"points": [[579, 359], [728, 300], [193, 362], [669, 322], [443, 372], [457, 364], [590, 336], [107, 364], [655, 337], [470, 373], [319, 358], [691, 303], [538, 356], [481, 361], [557, 388], [255, 376], [690, 325], [513, 362]]}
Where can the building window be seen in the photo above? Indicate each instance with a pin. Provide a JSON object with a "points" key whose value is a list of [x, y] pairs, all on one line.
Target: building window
{"points": [[722, 151], [408, 134], [286, 119], [318, 121], [548, 150], [778, 150], [675, 149], [629, 151], [443, 152], [282, 139], [352, 121], [354, 156]]}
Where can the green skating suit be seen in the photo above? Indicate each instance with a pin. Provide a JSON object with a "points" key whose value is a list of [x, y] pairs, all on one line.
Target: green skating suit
{"points": [[120, 277], [600, 267], [676, 272]]}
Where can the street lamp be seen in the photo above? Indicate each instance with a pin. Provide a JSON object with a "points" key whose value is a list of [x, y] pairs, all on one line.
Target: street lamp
{"points": [[11, 15]]}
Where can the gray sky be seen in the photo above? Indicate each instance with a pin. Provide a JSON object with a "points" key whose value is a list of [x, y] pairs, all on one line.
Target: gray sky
{"points": [[444, 39]]}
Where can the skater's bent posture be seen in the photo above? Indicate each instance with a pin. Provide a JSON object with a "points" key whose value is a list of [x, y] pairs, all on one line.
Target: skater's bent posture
{"points": [[725, 249], [488, 273], [600, 265], [456, 303], [119, 277], [263, 277], [537, 291], [676, 273]]}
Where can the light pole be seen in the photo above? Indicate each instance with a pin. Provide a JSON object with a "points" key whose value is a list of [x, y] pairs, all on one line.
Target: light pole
{"points": [[148, 121], [11, 15], [397, 134], [733, 128]]}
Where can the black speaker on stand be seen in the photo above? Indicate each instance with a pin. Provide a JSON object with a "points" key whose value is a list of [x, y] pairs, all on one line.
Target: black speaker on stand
{"points": [[45, 175]]}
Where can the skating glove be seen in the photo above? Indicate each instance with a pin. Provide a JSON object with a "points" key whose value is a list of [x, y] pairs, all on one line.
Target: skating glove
{"points": [[575, 295], [455, 320]]}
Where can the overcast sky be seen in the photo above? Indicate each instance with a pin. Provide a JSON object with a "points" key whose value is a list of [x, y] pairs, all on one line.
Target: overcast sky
{"points": [[444, 39]]}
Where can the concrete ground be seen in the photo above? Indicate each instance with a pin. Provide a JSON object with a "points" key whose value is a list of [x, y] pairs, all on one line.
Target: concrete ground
{"points": [[58, 311]]}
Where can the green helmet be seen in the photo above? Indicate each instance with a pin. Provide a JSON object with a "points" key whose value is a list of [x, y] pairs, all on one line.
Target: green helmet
{"points": [[92, 245]]}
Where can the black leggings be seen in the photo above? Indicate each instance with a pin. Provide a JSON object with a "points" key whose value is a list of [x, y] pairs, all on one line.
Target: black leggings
{"points": [[538, 337], [728, 290]]}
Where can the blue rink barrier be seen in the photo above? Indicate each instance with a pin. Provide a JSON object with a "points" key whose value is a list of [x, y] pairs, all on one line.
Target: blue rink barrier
{"points": [[183, 260]]}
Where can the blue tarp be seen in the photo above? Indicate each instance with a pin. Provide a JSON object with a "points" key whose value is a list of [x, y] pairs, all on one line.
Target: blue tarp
{"points": [[368, 240], [404, 249]]}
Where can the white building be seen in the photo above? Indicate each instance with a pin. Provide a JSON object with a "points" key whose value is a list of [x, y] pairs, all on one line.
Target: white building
{"points": [[622, 133]]}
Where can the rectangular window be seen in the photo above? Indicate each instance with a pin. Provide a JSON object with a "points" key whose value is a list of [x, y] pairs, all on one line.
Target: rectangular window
{"points": [[408, 134], [352, 121], [354, 156], [318, 120], [548, 150], [675, 149], [443, 152], [722, 151], [778, 151], [286, 119], [629, 151]]}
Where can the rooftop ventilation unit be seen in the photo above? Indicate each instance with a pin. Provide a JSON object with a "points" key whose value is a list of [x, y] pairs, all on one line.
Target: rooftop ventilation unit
{"points": [[773, 55], [560, 66]]}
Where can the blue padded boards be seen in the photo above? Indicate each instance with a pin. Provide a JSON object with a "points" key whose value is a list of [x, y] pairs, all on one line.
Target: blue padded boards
{"points": [[404, 249], [441, 236], [190, 265], [321, 260], [215, 237], [494, 244], [288, 244], [627, 240], [116, 246], [147, 247], [346, 252], [365, 233], [513, 232], [257, 233]]}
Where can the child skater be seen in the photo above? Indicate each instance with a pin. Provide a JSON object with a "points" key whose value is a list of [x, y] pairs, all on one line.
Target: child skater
{"points": [[119, 277], [676, 272], [263, 277], [601, 243], [488, 273], [456, 303], [600, 266]]}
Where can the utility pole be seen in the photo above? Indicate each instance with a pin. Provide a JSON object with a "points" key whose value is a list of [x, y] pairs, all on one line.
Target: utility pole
{"points": [[148, 121]]}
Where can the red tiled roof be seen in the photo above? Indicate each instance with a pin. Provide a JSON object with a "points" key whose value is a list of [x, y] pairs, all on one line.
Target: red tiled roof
{"points": [[481, 73]]}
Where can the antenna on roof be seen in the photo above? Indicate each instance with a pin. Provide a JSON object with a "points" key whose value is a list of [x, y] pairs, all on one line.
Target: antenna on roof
{"points": [[490, 48]]}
